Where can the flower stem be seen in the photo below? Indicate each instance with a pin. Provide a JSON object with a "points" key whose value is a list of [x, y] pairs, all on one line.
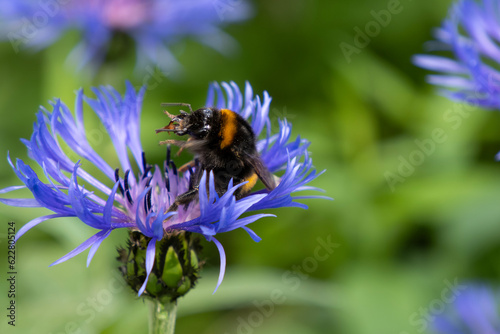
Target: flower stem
{"points": [[162, 317]]}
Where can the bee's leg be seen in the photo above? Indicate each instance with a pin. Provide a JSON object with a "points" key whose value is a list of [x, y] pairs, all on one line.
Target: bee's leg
{"points": [[184, 199], [184, 146], [186, 166], [179, 143], [169, 114], [192, 193]]}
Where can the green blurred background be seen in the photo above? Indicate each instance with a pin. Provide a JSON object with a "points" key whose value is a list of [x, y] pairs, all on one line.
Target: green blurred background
{"points": [[397, 248]]}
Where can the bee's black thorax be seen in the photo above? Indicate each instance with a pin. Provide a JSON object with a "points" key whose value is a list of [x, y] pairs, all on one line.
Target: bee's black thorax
{"points": [[223, 149]]}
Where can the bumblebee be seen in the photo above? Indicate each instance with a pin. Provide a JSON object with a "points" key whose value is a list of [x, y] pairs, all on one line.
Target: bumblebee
{"points": [[222, 142]]}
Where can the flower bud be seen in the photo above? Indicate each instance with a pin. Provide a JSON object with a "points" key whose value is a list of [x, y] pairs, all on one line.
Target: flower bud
{"points": [[175, 269]]}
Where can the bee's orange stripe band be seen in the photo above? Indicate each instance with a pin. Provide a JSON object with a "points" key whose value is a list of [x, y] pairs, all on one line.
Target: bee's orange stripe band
{"points": [[252, 180], [228, 129]]}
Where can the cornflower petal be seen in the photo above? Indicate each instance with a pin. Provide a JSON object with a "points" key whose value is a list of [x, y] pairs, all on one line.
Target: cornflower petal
{"points": [[150, 257], [222, 255], [98, 237], [29, 225], [96, 245], [9, 189], [252, 234], [21, 202], [245, 221]]}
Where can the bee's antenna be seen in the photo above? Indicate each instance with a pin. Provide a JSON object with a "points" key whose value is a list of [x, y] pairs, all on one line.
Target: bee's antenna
{"points": [[178, 104]]}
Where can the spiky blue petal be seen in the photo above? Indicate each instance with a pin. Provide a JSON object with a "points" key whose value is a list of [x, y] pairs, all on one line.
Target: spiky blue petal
{"points": [[150, 257], [96, 238], [222, 254]]}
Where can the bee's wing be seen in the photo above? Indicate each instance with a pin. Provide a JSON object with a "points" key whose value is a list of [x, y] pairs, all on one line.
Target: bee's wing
{"points": [[261, 170]]}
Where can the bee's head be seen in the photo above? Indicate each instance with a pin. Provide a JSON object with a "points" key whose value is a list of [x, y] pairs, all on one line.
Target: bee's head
{"points": [[197, 124]]}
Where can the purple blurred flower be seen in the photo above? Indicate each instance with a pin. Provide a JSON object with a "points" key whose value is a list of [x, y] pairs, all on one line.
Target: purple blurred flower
{"points": [[475, 311], [152, 24], [470, 69], [139, 200]]}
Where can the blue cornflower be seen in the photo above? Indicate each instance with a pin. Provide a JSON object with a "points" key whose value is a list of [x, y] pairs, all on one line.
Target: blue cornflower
{"points": [[152, 24], [475, 311], [471, 34], [138, 195]]}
